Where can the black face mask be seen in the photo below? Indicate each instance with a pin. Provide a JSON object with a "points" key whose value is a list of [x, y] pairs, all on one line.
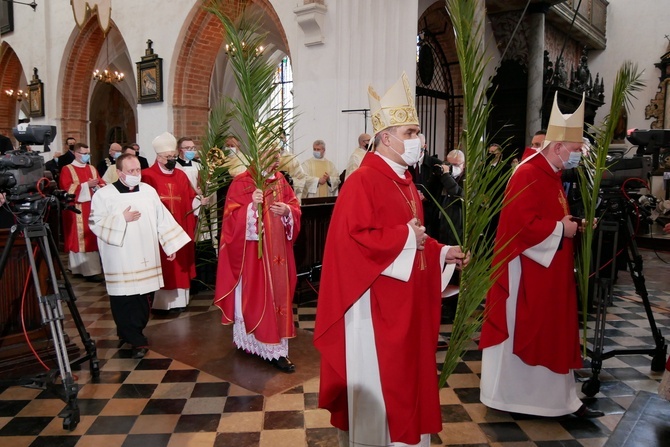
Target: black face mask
{"points": [[71, 147], [170, 164]]}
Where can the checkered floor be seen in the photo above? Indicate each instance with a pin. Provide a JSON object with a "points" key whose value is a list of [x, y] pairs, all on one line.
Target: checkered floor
{"points": [[158, 401]]}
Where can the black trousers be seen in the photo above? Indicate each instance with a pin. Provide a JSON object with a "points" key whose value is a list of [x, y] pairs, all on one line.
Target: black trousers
{"points": [[131, 315]]}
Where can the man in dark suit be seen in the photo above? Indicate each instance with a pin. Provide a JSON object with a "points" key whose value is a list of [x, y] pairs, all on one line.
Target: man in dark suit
{"points": [[68, 155], [143, 161]]}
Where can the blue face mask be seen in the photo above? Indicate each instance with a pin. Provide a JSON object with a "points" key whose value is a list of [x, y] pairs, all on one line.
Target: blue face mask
{"points": [[189, 155], [116, 155], [573, 160], [85, 158], [318, 154]]}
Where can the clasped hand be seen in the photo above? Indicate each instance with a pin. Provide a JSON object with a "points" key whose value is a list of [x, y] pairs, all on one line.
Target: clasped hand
{"points": [[419, 233]]}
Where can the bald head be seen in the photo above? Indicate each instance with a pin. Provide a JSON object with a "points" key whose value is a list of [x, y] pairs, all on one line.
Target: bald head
{"points": [[364, 140]]}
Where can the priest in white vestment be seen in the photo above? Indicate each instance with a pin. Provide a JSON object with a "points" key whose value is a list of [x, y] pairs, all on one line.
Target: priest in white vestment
{"points": [[132, 225]]}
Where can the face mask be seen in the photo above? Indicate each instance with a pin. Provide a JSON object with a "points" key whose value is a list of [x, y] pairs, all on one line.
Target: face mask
{"points": [[132, 180], [170, 164], [572, 161], [190, 155], [317, 154], [456, 171], [412, 150], [85, 158], [116, 155], [71, 147], [231, 149]]}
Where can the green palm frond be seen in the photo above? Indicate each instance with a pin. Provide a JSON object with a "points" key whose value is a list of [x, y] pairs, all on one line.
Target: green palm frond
{"points": [[627, 82], [484, 184], [260, 125]]}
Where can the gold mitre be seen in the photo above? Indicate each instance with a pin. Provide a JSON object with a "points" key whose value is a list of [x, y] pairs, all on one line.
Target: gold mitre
{"points": [[165, 142], [562, 127], [396, 108]]}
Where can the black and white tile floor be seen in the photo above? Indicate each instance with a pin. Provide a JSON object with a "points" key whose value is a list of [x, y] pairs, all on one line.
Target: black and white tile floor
{"points": [[160, 401]]}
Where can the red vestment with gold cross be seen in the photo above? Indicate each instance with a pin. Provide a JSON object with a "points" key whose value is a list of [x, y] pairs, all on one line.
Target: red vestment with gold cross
{"points": [[177, 195], [268, 283]]}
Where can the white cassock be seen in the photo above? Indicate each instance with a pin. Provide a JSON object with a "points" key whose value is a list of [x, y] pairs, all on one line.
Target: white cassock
{"points": [[130, 250], [314, 169], [509, 384], [367, 415]]}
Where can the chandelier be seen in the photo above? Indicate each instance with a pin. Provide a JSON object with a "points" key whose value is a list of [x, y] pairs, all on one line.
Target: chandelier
{"points": [[20, 95], [106, 75]]}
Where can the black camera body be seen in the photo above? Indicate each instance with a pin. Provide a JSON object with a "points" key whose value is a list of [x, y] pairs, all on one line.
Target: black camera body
{"points": [[20, 173]]}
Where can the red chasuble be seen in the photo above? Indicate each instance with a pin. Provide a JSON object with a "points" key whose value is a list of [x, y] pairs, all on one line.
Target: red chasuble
{"points": [[367, 232], [177, 195], [77, 234], [547, 327], [268, 283]]}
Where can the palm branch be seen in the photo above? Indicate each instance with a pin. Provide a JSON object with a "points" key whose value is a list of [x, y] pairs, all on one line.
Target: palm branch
{"points": [[628, 81], [483, 186], [260, 124]]}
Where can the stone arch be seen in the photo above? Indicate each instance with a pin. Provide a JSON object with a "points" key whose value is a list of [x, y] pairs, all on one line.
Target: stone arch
{"points": [[196, 57], [11, 72]]}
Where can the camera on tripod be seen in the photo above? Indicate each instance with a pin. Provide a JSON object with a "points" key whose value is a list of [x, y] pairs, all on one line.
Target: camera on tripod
{"points": [[22, 175], [650, 142]]}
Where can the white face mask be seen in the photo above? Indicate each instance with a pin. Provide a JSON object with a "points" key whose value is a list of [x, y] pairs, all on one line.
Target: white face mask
{"points": [[412, 150], [456, 171], [132, 180]]}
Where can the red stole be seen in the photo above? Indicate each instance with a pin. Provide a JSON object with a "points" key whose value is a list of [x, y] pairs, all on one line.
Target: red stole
{"points": [[77, 234]]}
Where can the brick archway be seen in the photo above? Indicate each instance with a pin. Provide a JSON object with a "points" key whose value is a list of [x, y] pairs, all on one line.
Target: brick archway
{"points": [[197, 55], [10, 76], [80, 63]]}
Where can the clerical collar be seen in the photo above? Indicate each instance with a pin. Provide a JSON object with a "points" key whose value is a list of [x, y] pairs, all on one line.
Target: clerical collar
{"points": [[78, 164], [397, 167], [123, 188], [550, 163], [183, 162]]}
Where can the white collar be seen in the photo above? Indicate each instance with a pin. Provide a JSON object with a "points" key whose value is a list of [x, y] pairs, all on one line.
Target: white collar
{"points": [[397, 167]]}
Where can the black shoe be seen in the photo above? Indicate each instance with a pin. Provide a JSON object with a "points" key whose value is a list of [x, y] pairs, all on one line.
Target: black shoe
{"points": [[176, 310], [139, 353], [160, 312], [94, 278], [283, 364], [588, 413]]}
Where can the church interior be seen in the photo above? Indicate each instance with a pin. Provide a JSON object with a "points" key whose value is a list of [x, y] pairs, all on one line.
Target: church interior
{"points": [[112, 71]]}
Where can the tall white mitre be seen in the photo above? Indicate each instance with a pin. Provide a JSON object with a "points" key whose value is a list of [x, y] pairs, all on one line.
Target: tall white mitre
{"points": [[563, 127], [165, 142], [395, 108]]}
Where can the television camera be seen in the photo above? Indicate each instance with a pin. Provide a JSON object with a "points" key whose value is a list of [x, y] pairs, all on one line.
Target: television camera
{"points": [[22, 176], [650, 142]]}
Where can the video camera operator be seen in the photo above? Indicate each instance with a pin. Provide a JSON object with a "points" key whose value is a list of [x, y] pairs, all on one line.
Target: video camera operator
{"points": [[426, 175]]}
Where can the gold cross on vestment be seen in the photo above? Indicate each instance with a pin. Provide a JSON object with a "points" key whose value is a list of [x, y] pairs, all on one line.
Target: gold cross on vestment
{"points": [[170, 198]]}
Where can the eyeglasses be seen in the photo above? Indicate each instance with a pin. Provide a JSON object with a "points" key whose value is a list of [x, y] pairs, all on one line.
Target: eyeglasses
{"points": [[169, 157], [82, 153], [189, 148]]}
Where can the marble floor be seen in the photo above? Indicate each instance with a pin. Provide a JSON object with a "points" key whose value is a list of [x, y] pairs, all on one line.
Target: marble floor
{"points": [[194, 389]]}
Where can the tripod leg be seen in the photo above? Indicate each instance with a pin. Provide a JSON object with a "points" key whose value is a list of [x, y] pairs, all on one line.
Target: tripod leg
{"points": [[69, 297], [52, 313], [635, 268], [8, 248]]}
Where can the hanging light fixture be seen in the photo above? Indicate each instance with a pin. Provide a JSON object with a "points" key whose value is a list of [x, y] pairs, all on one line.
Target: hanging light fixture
{"points": [[20, 95], [107, 76]]}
